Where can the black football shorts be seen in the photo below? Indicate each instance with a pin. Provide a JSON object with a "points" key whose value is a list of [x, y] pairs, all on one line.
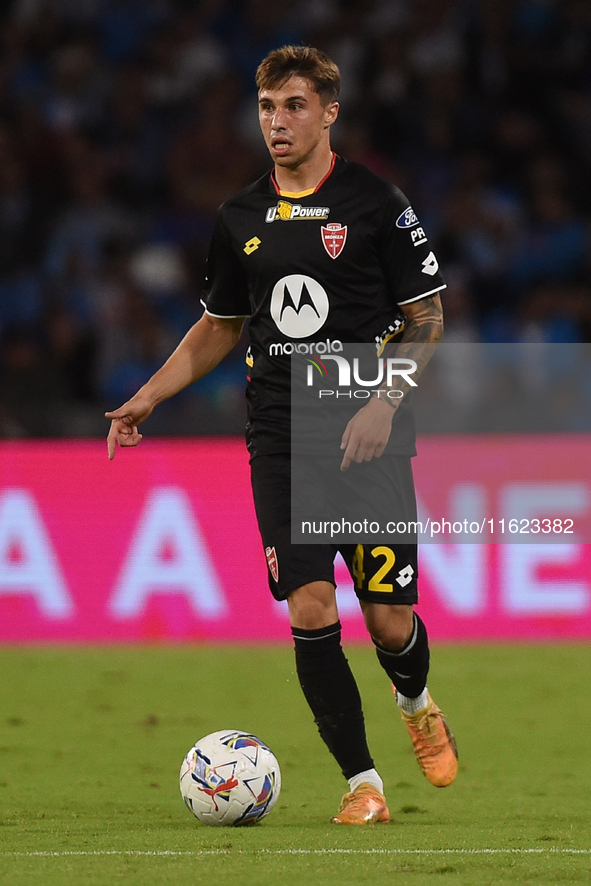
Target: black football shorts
{"points": [[381, 573]]}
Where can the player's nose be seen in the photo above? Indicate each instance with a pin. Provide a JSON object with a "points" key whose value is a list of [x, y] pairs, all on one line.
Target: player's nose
{"points": [[278, 121]]}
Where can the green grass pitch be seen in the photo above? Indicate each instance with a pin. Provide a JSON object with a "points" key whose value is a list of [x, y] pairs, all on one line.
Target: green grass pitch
{"points": [[91, 741]]}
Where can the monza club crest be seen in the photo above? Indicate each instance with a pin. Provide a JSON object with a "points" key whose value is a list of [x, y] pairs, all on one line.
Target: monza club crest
{"points": [[334, 237], [272, 563]]}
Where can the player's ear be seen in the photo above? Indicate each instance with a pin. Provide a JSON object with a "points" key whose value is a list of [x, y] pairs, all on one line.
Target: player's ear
{"points": [[331, 114]]}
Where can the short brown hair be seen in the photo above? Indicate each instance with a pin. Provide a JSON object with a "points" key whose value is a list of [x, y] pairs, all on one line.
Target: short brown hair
{"points": [[300, 61]]}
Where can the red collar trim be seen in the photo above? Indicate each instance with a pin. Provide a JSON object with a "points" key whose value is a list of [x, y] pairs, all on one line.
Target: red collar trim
{"points": [[318, 186]]}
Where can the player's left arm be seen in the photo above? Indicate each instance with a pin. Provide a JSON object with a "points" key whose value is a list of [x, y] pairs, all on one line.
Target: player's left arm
{"points": [[424, 321], [368, 432], [422, 333]]}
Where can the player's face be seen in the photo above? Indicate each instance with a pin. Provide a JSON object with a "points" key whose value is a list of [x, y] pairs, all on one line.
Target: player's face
{"points": [[294, 122]]}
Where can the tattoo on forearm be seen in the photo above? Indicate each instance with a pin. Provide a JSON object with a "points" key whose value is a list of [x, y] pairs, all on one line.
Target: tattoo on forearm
{"points": [[425, 326], [421, 336]]}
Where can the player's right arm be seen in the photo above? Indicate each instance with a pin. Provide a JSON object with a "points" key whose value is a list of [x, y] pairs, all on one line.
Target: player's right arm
{"points": [[200, 351]]}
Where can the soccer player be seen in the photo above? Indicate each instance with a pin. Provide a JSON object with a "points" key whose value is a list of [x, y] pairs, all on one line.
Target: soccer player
{"points": [[320, 250]]}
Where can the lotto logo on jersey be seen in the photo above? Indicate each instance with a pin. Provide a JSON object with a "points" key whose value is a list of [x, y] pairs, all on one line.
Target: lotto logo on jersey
{"points": [[430, 265], [334, 237], [285, 211], [405, 576]]}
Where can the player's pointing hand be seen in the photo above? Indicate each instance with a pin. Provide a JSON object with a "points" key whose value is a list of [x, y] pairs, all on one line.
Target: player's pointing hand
{"points": [[124, 422]]}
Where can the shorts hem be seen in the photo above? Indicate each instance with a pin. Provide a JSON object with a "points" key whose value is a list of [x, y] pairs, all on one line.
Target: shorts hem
{"points": [[388, 599], [285, 594]]}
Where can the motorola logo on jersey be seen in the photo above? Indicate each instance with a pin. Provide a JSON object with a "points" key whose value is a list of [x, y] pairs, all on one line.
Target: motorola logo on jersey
{"points": [[299, 305], [288, 348], [407, 219]]}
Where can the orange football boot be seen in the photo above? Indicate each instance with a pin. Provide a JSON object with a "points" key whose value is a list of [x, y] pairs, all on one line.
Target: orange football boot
{"points": [[364, 805], [434, 745]]}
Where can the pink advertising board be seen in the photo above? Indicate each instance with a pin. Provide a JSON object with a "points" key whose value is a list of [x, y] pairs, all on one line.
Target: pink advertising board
{"points": [[161, 544]]}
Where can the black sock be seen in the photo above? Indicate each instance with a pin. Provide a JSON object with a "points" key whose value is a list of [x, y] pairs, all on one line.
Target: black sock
{"points": [[408, 668], [331, 692]]}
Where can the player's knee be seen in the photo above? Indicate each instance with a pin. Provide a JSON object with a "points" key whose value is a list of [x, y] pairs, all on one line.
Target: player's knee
{"points": [[313, 606], [390, 626]]}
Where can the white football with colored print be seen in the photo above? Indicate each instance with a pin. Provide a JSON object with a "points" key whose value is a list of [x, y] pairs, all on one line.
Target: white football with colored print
{"points": [[230, 778]]}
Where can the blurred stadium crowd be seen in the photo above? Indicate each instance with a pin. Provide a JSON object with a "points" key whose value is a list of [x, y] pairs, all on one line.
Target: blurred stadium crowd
{"points": [[125, 123]]}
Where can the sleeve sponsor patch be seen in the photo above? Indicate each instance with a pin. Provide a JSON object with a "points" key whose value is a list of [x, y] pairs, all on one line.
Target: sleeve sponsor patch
{"points": [[407, 219]]}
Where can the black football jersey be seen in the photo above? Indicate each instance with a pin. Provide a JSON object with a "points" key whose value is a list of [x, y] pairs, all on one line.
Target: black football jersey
{"points": [[312, 271]]}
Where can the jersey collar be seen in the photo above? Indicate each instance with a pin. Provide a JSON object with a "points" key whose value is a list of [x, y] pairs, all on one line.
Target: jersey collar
{"points": [[307, 193]]}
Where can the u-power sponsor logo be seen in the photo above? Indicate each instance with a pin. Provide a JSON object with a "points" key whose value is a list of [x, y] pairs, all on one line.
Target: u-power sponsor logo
{"points": [[285, 211]]}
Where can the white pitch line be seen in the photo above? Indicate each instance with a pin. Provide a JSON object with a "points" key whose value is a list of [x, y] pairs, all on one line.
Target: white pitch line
{"points": [[206, 852]]}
